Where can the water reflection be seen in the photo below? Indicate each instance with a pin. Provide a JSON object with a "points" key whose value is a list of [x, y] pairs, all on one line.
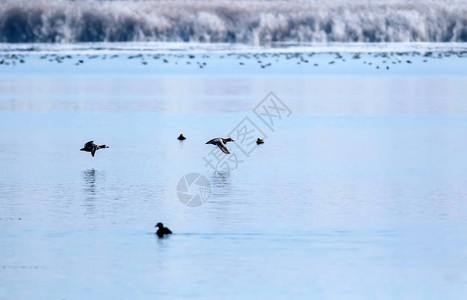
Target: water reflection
{"points": [[90, 187], [221, 185]]}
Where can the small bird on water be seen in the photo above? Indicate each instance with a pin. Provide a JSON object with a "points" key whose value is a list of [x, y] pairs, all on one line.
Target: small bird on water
{"points": [[220, 142], [91, 147], [162, 230], [259, 141], [181, 137]]}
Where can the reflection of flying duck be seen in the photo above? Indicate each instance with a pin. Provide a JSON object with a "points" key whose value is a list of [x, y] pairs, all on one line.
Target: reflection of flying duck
{"points": [[162, 230], [220, 142], [181, 137], [91, 147]]}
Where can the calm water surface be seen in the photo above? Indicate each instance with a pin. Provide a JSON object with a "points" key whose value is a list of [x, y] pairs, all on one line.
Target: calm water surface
{"points": [[359, 193]]}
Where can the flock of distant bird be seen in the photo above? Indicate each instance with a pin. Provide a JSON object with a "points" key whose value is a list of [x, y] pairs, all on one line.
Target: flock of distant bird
{"points": [[219, 142], [264, 60]]}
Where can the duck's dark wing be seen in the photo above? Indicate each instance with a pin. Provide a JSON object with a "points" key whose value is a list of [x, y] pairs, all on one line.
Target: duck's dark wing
{"points": [[88, 144], [162, 231], [222, 146], [93, 150]]}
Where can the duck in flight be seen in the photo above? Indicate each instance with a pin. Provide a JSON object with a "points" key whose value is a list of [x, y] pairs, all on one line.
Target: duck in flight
{"points": [[220, 142], [181, 137], [161, 231], [91, 147], [259, 141]]}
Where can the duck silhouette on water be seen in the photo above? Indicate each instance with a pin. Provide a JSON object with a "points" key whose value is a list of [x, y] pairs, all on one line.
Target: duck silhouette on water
{"points": [[91, 147], [181, 137], [161, 231], [220, 142]]}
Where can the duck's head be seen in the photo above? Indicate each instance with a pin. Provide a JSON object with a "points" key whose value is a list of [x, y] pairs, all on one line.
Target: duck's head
{"points": [[103, 146], [229, 140], [159, 225]]}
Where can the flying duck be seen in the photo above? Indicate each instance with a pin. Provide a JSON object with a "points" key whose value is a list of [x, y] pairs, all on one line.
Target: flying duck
{"points": [[162, 230], [181, 137], [91, 147], [259, 141], [220, 142]]}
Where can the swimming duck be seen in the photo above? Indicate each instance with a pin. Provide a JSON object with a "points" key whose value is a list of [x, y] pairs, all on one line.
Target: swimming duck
{"points": [[91, 147], [259, 141], [220, 142], [162, 230], [181, 137]]}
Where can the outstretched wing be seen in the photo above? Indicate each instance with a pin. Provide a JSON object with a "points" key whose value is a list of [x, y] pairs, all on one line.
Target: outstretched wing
{"points": [[222, 146], [93, 150], [213, 141], [88, 144]]}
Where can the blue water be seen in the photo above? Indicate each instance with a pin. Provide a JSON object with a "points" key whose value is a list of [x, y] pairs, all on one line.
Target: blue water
{"points": [[359, 193]]}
